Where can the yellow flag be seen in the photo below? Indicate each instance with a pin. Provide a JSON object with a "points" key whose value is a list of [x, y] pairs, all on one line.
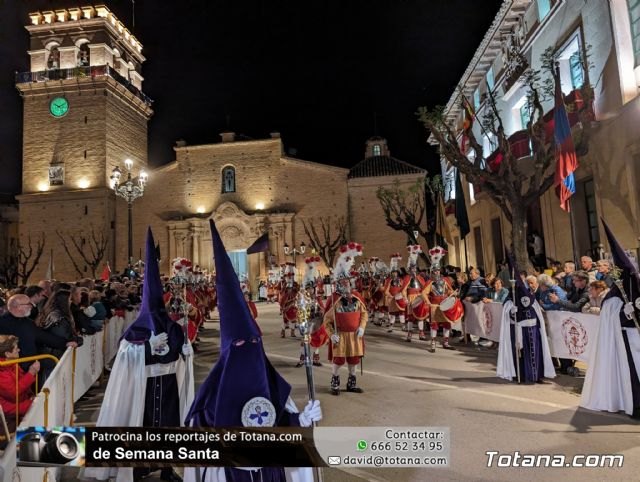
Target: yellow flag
{"points": [[442, 228]]}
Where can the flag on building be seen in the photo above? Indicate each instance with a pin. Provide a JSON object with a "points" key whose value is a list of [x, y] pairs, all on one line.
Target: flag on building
{"points": [[461, 208], [442, 228], [467, 124], [106, 273], [566, 158], [51, 267], [259, 245]]}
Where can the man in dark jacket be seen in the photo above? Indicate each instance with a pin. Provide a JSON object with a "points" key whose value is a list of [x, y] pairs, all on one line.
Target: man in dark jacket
{"points": [[475, 289], [30, 337]]}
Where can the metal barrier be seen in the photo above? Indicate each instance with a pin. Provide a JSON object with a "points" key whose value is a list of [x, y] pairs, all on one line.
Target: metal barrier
{"points": [[15, 362]]}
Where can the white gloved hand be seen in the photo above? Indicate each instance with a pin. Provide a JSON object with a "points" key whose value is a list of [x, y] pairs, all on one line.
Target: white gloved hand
{"points": [[628, 310], [187, 349], [360, 332], [513, 311], [90, 311], [311, 413], [335, 338], [159, 343]]}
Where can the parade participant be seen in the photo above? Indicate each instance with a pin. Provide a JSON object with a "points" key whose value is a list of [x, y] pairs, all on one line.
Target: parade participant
{"points": [[183, 298], [288, 300], [314, 291], [439, 289], [345, 321], [415, 287], [524, 352], [242, 379], [253, 309], [272, 285], [395, 297], [612, 382], [377, 305], [151, 382]]}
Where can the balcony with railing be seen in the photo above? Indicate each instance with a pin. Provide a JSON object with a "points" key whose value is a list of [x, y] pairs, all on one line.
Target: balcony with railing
{"points": [[92, 72], [519, 140]]}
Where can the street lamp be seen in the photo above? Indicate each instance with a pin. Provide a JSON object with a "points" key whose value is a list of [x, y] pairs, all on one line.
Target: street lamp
{"points": [[295, 251], [129, 190]]}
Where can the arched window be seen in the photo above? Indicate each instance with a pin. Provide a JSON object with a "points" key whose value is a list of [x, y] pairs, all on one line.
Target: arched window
{"points": [[83, 54], [53, 62], [228, 179], [377, 150]]}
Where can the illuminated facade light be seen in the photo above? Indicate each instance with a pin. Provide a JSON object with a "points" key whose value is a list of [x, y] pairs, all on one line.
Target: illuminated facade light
{"points": [[43, 186], [84, 183], [200, 210], [260, 206]]}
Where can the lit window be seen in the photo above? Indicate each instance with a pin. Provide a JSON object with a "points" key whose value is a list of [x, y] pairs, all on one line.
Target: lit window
{"points": [[544, 6], [525, 115], [377, 151], [476, 99], [490, 82], [228, 179], [634, 18], [569, 60]]}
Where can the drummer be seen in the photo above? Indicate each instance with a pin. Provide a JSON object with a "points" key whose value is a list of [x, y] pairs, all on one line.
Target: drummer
{"points": [[395, 297], [418, 302], [440, 291]]}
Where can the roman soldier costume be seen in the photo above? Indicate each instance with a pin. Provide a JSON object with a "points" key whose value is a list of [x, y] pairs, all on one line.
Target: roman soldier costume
{"points": [[288, 300], [314, 289], [440, 294], [415, 287], [345, 321], [395, 296]]}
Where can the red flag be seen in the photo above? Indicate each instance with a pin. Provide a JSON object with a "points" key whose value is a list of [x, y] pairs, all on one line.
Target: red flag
{"points": [[566, 158], [106, 273]]}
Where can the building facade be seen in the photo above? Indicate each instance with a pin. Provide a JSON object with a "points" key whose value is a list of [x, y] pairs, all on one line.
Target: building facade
{"points": [[85, 113], [608, 176]]}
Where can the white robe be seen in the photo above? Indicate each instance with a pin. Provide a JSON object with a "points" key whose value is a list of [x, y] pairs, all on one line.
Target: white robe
{"points": [[216, 474], [123, 402], [607, 385], [506, 368]]}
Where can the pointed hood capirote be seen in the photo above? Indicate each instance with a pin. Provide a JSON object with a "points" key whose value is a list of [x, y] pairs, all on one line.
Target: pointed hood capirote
{"points": [[153, 316], [242, 371]]}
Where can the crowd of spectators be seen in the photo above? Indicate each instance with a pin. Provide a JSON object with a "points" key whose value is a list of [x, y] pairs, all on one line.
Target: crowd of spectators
{"points": [[46, 319]]}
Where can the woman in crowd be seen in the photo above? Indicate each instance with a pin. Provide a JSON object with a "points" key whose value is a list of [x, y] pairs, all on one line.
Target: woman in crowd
{"points": [[597, 291], [9, 350], [56, 318], [497, 293], [548, 286]]}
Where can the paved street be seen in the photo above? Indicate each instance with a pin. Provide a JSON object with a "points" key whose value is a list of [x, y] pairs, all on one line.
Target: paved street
{"points": [[407, 386]]}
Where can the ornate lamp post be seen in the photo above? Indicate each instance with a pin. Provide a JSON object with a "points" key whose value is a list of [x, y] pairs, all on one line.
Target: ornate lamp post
{"points": [[295, 251], [130, 190]]}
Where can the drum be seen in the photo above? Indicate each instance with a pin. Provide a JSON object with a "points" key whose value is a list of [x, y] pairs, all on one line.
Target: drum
{"points": [[420, 309], [291, 313], [452, 308], [401, 302]]}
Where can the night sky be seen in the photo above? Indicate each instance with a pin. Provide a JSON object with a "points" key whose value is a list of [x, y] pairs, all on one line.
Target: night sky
{"points": [[314, 70]]}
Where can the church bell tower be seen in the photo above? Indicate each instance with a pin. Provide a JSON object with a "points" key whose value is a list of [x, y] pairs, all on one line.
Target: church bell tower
{"points": [[84, 114]]}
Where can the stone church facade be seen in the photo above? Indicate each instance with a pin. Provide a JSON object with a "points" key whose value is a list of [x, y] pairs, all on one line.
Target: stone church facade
{"points": [[85, 113]]}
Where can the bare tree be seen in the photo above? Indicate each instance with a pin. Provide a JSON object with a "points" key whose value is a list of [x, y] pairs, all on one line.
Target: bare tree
{"points": [[515, 184], [326, 235], [405, 209], [22, 259], [82, 249]]}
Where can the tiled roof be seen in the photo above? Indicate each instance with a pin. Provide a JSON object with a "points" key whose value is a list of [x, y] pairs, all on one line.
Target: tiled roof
{"points": [[383, 166]]}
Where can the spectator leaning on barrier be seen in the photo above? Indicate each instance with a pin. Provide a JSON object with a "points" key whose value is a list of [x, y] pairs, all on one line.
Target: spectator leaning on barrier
{"points": [[603, 266], [497, 293], [56, 318], [31, 338], [9, 350], [534, 287], [597, 292], [474, 289], [589, 266], [97, 320], [577, 297], [548, 287], [81, 320]]}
